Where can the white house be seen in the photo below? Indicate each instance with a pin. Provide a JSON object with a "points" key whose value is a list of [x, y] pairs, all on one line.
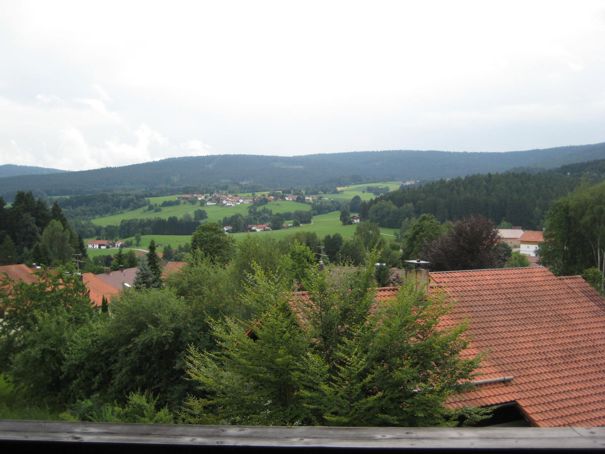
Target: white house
{"points": [[530, 242]]}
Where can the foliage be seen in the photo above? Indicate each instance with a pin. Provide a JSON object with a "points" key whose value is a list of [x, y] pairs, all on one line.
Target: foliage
{"points": [[140, 347], [418, 234], [55, 244], [517, 260], [36, 233], [38, 322], [332, 246], [471, 243], [139, 408], [345, 216], [520, 198], [574, 235], [333, 363], [210, 241]]}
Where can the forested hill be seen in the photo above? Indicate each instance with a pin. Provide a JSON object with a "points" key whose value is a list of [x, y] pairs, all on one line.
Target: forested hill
{"points": [[10, 170], [271, 172], [521, 198]]}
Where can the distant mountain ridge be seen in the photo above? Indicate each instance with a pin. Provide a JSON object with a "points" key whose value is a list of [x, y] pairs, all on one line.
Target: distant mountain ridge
{"points": [[274, 172], [12, 170]]}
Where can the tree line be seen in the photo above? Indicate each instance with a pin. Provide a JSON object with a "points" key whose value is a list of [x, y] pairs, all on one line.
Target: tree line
{"points": [[30, 232], [520, 198]]}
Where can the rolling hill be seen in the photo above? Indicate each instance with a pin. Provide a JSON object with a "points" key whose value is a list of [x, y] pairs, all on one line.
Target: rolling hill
{"points": [[11, 170], [272, 172]]}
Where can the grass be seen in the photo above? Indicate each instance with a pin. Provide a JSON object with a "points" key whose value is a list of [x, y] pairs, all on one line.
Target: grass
{"points": [[215, 213], [346, 193], [324, 224], [113, 251]]}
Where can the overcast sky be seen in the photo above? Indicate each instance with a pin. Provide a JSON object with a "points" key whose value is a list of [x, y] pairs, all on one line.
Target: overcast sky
{"points": [[90, 84]]}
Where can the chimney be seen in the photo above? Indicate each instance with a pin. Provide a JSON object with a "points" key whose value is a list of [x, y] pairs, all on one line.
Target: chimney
{"points": [[417, 271]]}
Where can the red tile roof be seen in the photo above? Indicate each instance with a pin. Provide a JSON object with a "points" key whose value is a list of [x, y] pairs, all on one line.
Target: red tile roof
{"points": [[97, 289], [547, 332], [18, 273], [532, 236], [171, 268]]}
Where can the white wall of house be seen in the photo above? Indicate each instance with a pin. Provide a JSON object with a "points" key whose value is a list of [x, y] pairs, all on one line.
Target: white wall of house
{"points": [[529, 249]]}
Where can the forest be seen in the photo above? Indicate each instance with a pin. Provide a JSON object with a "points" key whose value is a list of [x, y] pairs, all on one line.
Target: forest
{"points": [[517, 198], [30, 232], [251, 172]]}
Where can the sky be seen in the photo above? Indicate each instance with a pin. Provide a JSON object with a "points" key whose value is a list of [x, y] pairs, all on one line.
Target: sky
{"points": [[93, 84]]}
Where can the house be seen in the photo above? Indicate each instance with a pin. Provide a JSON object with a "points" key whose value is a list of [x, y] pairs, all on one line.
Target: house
{"points": [[108, 285], [544, 340], [512, 237], [530, 242], [121, 279], [99, 289], [100, 244], [259, 227], [18, 273], [355, 219], [227, 228], [542, 336]]}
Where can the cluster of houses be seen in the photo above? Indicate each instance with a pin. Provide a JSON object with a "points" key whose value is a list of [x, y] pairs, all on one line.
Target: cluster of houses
{"points": [[527, 242], [220, 199]]}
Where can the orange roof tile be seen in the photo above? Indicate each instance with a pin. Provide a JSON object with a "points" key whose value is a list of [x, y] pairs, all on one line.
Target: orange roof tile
{"points": [[98, 288], [18, 273], [171, 268], [532, 236], [547, 332]]}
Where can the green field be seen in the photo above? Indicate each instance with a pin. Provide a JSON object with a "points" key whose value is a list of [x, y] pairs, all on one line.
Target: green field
{"points": [[215, 213], [324, 224], [113, 251], [348, 192]]}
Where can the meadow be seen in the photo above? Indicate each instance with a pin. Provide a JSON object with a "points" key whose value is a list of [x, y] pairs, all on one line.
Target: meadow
{"points": [[215, 213], [324, 224], [348, 192]]}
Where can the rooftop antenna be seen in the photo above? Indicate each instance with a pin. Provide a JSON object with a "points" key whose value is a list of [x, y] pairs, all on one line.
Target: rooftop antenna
{"points": [[418, 264]]}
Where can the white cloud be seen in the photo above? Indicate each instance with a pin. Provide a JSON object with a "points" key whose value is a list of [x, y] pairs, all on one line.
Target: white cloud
{"points": [[146, 80]]}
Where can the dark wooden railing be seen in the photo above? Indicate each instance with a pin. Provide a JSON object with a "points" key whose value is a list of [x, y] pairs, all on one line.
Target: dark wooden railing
{"points": [[26, 436]]}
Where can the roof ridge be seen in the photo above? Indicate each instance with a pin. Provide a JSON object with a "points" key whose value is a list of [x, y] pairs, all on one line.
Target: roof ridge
{"points": [[541, 267]]}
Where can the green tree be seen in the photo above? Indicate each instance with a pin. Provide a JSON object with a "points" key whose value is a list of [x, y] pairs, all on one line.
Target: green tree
{"points": [[332, 246], [153, 261], [517, 260], [418, 235], [368, 235], [140, 348], [302, 261], [56, 243], [345, 216], [332, 361], [131, 259], [146, 278], [38, 322], [574, 233], [119, 260], [355, 204], [273, 368], [137, 239], [8, 252], [472, 243], [210, 240]]}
